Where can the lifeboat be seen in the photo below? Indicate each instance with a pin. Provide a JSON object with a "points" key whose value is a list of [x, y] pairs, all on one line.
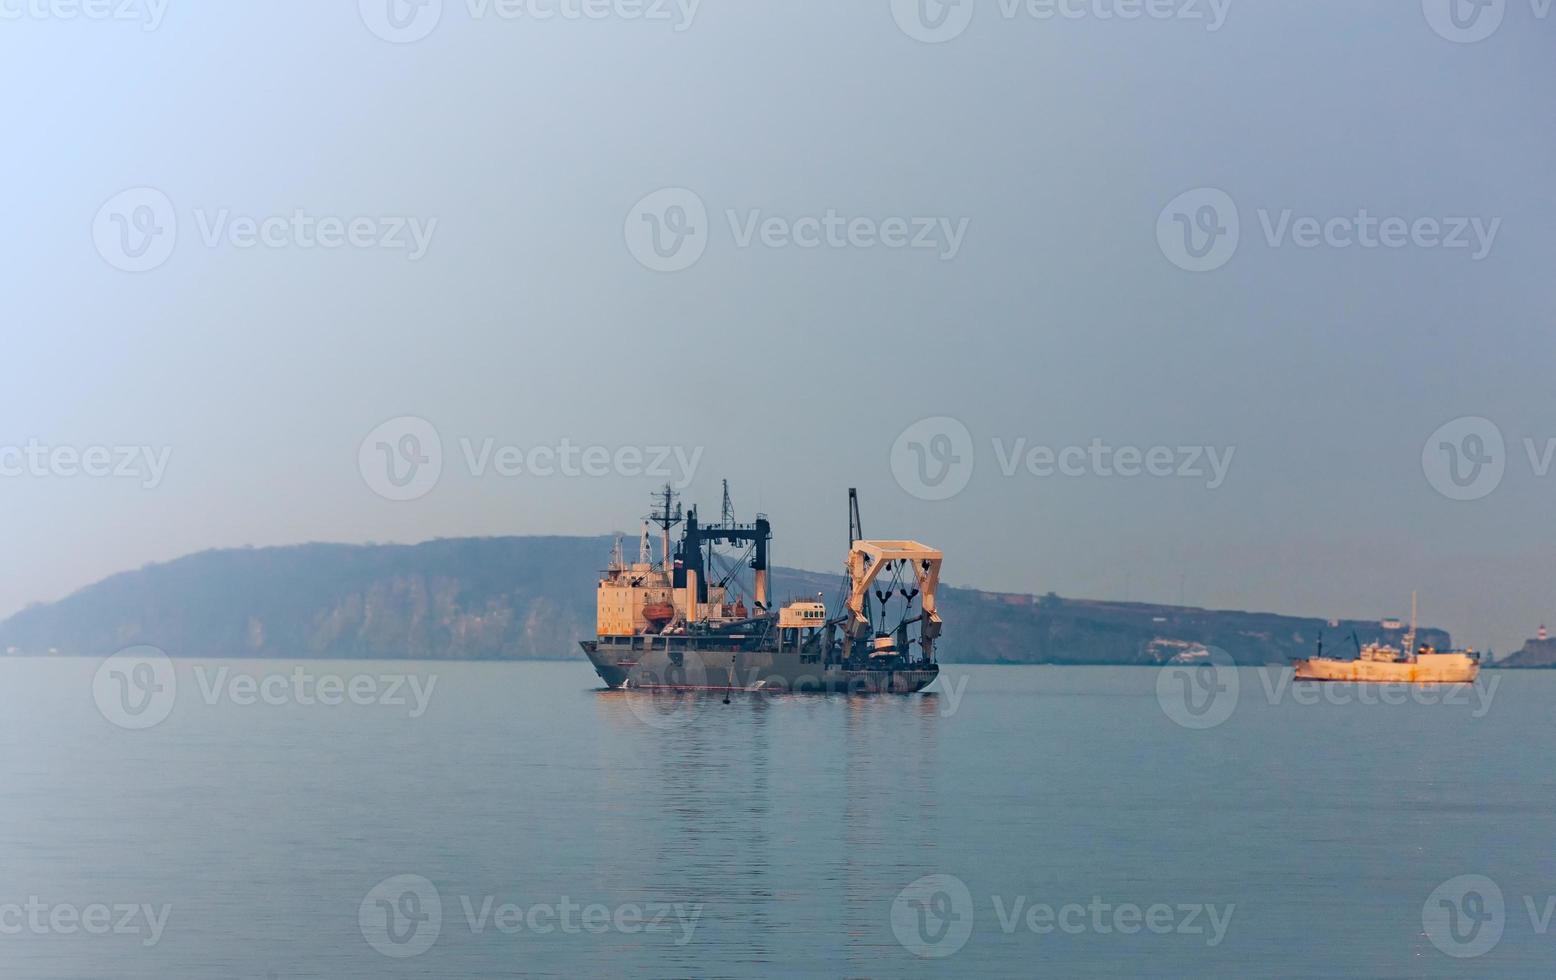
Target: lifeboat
{"points": [[658, 613]]}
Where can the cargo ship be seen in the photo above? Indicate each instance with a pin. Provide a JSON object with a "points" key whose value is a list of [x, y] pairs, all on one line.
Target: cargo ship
{"points": [[683, 622], [1378, 663]]}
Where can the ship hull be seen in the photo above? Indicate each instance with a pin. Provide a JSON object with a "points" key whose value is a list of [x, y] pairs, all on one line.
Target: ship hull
{"points": [[715, 669], [1442, 669]]}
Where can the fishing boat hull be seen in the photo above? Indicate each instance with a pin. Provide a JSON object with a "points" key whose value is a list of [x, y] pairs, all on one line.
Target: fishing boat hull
{"points": [[1445, 668]]}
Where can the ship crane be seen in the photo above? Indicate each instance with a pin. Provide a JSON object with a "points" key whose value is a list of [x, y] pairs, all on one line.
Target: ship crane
{"points": [[867, 559]]}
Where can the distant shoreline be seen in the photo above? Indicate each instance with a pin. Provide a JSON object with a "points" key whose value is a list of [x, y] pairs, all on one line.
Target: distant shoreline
{"points": [[515, 599], [580, 659]]}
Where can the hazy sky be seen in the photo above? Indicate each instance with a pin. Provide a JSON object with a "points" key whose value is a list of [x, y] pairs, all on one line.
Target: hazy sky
{"points": [[1038, 151]]}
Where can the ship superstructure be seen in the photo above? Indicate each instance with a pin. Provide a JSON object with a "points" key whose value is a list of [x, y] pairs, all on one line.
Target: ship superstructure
{"points": [[683, 621]]}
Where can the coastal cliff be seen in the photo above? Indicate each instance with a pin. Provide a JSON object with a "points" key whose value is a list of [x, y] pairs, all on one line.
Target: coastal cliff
{"points": [[1534, 653]]}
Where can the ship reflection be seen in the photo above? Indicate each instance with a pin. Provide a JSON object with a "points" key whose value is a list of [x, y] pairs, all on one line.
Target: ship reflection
{"points": [[886, 847], [827, 832]]}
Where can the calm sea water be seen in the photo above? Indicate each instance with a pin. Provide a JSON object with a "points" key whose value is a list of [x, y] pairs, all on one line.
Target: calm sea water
{"points": [[517, 821]]}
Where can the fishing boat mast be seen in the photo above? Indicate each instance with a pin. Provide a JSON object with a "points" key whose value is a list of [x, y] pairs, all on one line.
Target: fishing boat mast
{"points": [[1410, 637]]}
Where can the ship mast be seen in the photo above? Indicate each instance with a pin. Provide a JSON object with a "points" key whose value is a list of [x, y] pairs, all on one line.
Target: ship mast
{"points": [[665, 518], [1410, 638], [855, 531], [855, 534]]}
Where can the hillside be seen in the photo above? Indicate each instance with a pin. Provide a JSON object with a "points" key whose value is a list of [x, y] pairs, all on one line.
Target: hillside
{"points": [[1534, 653], [521, 598]]}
